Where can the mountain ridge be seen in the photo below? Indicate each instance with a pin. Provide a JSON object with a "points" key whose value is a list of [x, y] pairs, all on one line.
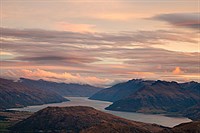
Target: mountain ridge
{"points": [[64, 89]]}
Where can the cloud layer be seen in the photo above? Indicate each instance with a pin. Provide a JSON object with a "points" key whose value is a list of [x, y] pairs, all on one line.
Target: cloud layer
{"points": [[188, 20], [100, 42], [97, 58]]}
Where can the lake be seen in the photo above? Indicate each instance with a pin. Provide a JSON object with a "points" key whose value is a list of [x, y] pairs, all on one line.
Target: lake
{"points": [[100, 105]]}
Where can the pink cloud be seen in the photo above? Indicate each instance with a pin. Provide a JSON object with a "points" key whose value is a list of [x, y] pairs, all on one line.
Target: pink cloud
{"points": [[57, 77], [177, 71]]}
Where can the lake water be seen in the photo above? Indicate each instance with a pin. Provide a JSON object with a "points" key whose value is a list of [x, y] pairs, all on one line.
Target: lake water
{"points": [[100, 105]]}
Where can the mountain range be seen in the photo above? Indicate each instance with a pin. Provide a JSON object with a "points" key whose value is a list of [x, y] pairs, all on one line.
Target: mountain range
{"points": [[152, 97], [146, 96], [26, 92], [64, 89]]}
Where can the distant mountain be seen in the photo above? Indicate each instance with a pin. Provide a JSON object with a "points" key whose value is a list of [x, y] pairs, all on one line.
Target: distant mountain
{"points": [[191, 127], [15, 94], [80, 119], [63, 89], [119, 91], [159, 97]]}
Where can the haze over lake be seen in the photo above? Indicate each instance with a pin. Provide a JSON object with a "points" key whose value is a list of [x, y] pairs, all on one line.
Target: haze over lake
{"points": [[100, 105]]}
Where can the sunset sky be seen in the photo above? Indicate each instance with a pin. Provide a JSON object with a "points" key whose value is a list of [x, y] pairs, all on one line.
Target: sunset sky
{"points": [[100, 42]]}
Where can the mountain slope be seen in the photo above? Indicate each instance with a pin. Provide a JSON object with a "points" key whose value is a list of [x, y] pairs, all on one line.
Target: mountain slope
{"points": [[62, 88], [81, 119], [14, 94], [119, 91], [193, 112], [159, 97], [191, 127]]}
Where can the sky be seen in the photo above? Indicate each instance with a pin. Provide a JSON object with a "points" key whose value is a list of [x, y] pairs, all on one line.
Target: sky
{"points": [[100, 42]]}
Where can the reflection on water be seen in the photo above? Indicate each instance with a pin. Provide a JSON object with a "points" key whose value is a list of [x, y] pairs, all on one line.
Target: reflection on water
{"points": [[100, 105]]}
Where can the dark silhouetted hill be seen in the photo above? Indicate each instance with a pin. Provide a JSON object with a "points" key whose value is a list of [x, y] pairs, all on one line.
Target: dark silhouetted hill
{"points": [[80, 119]]}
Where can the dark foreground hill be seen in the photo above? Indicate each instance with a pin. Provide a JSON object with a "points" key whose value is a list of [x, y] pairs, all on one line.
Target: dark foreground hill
{"points": [[14, 94], [80, 119], [63, 89]]}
